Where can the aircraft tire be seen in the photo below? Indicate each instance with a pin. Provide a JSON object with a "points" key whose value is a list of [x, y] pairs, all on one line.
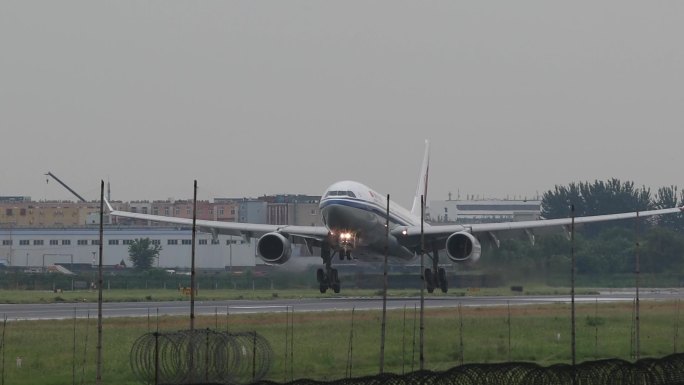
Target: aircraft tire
{"points": [[320, 276], [442, 278], [429, 281]]}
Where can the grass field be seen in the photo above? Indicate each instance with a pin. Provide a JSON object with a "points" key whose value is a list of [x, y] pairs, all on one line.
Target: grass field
{"points": [[64, 352], [141, 295]]}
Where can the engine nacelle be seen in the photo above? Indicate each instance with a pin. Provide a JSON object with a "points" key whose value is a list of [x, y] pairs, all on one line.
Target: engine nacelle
{"points": [[274, 248], [463, 247]]}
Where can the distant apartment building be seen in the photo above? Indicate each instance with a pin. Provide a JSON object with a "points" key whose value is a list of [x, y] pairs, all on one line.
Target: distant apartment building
{"points": [[217, 211], [252, 211], [297, 210], [282, 209], [25, 213]]}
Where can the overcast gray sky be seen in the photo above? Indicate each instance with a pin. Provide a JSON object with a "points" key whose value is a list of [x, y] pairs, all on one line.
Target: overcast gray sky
{"points": [[260, 97]]}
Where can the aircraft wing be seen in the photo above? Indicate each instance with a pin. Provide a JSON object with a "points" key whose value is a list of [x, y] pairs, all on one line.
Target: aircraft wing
{"points": [[506, 229], [246, 230]]}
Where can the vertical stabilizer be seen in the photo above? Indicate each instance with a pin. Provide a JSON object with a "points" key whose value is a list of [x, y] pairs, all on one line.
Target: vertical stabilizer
{"points": [[422, 182]]}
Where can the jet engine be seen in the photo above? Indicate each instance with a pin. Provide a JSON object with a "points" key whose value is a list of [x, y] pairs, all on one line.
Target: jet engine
{"points": [[463, 247], [274, 248]]}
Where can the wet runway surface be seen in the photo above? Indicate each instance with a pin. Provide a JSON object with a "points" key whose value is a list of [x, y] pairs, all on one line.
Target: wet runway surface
{"points": [[144, 309]]}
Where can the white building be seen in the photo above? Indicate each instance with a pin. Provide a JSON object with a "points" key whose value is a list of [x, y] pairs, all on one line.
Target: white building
{"points": [[484, 211], [46, 247]]}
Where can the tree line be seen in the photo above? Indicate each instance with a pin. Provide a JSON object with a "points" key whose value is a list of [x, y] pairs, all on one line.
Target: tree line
{"points": [[601, 249]]}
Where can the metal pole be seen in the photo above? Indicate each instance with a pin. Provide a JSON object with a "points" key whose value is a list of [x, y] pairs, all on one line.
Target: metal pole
{"points": [[73, 354], [292, 344], [508, 321], [636, 271], [413, 336], [460, 330], [421, 356], [156, 358], [676, 328], [4, 329], [403, 342], [98, 379], [572, 284], [192, 262], [384, 292], [287, 340]]}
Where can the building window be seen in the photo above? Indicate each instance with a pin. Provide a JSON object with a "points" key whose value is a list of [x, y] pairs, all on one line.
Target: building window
{"points": [[155, 210], [156, 242], [7, 242], [37, 242], [82, 242], [186, 241], [66, 242], [134, 209], [22, 212], [24, 242], [54, 242], [221, 211], [188, 211], [127, 241], [202, 241], [113, 241], [215, 242], [172, 242], [176, 211], [144, 210], [95, 242], [8, 212], [313, 211], [166, 211]]}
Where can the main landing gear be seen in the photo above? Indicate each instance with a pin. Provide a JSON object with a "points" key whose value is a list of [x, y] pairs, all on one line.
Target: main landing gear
{"points": [[436, 278], [328, 278]]}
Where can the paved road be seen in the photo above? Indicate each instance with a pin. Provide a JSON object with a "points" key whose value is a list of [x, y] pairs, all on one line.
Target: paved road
{"points": [[143, 309]]}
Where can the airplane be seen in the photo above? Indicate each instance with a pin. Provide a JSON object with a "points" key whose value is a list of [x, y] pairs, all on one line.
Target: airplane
{"points": [[355, 226]]}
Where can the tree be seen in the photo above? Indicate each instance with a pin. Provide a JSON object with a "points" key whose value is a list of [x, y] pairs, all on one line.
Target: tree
{"points": [[666, 198], [597, 198], [142, 253], [663, 251]]}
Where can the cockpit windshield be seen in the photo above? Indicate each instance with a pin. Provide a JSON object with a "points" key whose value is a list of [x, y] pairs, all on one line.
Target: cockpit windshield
{"points": [[340, 193]]}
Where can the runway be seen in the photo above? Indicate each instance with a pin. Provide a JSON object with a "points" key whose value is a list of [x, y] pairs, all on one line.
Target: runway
{"points": [[55, 311]]}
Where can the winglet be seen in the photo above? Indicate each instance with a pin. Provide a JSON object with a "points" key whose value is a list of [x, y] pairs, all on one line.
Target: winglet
{"points": [[422, 188]]}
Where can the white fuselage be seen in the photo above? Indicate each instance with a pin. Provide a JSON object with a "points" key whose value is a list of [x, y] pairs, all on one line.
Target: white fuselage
{"points": [[355, 209]]}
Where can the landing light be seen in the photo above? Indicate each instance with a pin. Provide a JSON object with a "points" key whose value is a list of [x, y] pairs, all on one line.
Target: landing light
{"points": [[404, 232]]}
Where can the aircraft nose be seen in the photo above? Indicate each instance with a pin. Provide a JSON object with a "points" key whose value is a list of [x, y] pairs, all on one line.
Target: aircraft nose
{"points": [[334, 216]]}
